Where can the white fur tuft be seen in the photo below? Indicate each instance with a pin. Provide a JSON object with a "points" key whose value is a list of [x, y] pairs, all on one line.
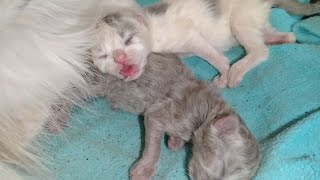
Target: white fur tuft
{"points": [[43, 51]]}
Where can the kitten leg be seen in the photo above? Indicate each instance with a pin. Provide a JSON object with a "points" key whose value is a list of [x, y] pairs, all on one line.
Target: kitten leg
{"points": [[146, 167], [175, 143], [199, 46], [273, 37], [251, 38]]}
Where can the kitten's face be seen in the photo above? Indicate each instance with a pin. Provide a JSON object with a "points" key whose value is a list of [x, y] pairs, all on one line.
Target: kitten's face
{"points": [[122, 45]]}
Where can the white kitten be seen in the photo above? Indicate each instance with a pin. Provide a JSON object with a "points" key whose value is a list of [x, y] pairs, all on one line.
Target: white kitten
{"points": [[205, 28]]}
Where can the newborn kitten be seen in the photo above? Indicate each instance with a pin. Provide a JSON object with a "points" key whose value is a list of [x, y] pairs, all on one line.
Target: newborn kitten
{"points": [[128, 42], [207, 28], [173, 101]]}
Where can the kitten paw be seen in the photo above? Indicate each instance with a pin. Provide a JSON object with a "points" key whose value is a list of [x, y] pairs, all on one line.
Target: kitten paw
{"points": [[114, 107], [291, 38], [235, 75], [139, 178], [143, 170], [175, 143], [220, 82]]}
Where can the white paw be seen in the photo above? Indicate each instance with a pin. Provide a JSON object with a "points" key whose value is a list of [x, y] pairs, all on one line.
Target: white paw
{"points": [[139, 178], [291, 38], [175, 143], [143, 170], [220, 81], [235, 75]]}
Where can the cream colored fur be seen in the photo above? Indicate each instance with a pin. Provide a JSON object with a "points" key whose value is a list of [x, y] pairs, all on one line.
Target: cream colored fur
{"points": [[192, 26], [208, 28], [43, 49]]}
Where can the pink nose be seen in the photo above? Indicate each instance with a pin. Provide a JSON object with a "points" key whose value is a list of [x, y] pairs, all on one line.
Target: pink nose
{"points": [[120, 56]]}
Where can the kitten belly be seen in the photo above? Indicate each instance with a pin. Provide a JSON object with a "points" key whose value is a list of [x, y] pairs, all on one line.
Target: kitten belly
{"points": [[225, 44], [173, 35], [219, 34], [174, 43]]}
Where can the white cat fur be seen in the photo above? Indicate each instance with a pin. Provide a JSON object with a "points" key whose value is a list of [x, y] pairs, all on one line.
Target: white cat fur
{"points": [[207, 28], [43, 50]]}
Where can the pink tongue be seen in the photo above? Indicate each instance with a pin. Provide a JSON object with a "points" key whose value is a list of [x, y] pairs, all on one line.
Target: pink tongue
{"points": [[128, 70]]}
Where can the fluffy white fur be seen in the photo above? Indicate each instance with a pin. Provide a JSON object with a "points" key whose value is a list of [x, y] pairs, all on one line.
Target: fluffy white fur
{"points": [[43, 49], [207, 28]]}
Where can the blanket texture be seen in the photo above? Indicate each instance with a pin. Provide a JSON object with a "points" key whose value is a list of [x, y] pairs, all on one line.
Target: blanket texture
{"points": [[279, 100]]}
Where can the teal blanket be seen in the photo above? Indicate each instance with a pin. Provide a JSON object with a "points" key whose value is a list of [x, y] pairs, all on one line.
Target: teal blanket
{"points": [[279, 100]]}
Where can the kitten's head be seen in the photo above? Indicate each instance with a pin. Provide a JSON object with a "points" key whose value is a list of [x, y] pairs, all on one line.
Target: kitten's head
{"points": [[224, 148], [123, 45]]}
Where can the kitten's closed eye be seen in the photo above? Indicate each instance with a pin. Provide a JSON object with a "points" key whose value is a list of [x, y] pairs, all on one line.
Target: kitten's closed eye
{"points": [[129, 40], [104, 56]]}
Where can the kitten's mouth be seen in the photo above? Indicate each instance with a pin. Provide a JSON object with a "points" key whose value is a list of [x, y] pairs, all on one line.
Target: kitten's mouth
{"points": [[129, 70]]}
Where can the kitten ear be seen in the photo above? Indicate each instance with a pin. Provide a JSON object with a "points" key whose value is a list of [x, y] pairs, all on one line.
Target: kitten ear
{"points": [[111, 18], [141, 20], [227, 124]]}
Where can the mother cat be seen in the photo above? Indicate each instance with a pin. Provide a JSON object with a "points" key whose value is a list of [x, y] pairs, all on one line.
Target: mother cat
{"points": [[43, 53]]}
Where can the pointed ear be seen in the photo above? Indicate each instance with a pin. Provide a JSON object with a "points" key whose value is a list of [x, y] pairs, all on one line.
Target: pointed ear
{"points": [[111, 18], [227, 124], [141, 20]]}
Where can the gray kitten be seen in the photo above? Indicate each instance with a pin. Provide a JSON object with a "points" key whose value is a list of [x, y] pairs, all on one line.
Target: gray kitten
{"points": [[173, 101]]}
